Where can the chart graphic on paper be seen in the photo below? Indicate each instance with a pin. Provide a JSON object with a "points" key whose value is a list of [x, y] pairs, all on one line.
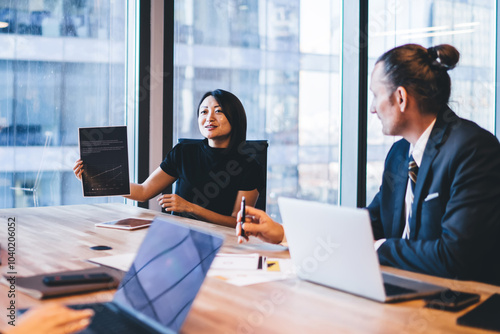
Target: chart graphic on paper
{"points": [[106, 177], [103, 151]]}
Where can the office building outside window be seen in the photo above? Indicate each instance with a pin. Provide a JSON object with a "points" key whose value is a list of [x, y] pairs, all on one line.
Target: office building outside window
{"points": [[281, 58], [470, 26], [63, 66]]}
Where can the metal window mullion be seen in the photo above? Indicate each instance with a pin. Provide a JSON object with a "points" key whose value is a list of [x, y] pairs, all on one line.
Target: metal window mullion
{"points": [[354, 105]]}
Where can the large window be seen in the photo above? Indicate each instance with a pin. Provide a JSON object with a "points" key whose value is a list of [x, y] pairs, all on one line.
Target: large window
{"points": [[63, 65], [68, 63], [470, 26], [281, 58]]}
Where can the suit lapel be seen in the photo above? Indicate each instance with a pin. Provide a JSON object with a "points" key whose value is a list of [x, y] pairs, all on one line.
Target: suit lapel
{"points": [[431, 150], [399, 221]]}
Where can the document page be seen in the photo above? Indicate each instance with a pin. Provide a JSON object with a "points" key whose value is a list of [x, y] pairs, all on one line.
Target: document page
{"points": [[104, 153]]}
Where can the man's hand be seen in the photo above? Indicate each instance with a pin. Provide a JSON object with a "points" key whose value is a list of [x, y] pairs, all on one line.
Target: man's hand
{"points": [[258, 224]]}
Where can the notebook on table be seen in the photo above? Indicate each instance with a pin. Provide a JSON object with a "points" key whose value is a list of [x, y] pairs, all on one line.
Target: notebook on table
{"points": [[333, 246], [157, 292]]}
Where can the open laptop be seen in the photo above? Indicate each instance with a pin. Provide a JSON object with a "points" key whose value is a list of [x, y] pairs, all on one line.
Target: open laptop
{"points": [[157, 292], [333, 246]]}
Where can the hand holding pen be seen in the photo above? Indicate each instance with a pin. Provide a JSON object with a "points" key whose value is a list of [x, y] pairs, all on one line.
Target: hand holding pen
{"points": [[242, 220], [255, 222]]}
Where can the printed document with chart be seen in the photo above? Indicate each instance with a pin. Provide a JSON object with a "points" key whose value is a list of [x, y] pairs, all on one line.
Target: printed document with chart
{"points": [[104, 153]]}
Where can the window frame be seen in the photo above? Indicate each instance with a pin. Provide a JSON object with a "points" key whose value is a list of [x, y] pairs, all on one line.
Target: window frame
{"points": [[354, 72], [354, 95]]}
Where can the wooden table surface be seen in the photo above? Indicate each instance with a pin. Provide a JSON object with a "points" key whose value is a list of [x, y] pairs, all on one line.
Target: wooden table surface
{"points": [[50, 239]]}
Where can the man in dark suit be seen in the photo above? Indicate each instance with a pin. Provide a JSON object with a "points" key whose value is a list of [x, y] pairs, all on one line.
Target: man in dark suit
{"points": [[438, 208], [446, 221]]}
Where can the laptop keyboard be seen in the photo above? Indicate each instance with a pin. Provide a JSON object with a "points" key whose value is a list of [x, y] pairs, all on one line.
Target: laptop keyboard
{"points": [[394, 290], [106, 320]]}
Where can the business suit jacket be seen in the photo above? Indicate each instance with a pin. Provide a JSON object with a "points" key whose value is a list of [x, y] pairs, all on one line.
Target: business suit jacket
{"points": [[455, 224]]}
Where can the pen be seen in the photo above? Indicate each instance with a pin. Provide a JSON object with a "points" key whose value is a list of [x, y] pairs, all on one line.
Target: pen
{"points": [[243, 204], [262, 262]]}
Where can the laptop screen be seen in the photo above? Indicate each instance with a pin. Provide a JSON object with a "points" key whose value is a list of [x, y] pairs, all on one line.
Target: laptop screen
{"points": [[168, 271]]}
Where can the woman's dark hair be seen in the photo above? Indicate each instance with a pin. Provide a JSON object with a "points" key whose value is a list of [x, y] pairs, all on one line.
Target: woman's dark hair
{"points": [[235, 114], [422, 72]]}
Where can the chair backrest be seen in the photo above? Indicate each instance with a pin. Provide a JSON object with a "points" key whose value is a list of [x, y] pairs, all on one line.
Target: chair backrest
{"points": [[256, 149]]}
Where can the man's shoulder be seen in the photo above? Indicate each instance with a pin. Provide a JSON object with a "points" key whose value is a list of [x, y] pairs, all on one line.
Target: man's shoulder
{"points": [[402, 146], [462, 131], [462, 140]]}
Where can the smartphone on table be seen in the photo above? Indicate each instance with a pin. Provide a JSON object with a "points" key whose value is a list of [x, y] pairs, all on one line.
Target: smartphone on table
{"points": [[451, 300]]}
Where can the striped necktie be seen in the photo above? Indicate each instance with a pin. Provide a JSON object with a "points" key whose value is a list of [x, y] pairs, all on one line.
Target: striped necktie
{"points": [[412, 174]]}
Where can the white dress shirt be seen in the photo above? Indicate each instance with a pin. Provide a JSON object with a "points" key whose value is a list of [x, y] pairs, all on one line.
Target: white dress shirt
{"points": [[418, 153]]}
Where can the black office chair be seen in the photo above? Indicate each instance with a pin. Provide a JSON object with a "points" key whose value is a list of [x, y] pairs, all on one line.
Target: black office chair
{"points": [[256, 149]]}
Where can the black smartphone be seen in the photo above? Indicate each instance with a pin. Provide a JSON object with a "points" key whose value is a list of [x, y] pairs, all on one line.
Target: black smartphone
{"points": [[451, 300], [77, 279]]}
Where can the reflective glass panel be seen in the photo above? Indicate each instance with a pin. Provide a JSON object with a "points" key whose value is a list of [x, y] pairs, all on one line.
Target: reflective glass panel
{"points": [[469, 26], [281, 58], [63, 66]]}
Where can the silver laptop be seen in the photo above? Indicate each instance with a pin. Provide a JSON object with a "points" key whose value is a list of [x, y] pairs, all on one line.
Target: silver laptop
{"points": [[156, 294], [333, 246]]}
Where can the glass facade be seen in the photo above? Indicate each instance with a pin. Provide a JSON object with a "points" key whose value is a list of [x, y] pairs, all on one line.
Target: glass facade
{"points": [[281, 58], [63, 65], [469, 26]]}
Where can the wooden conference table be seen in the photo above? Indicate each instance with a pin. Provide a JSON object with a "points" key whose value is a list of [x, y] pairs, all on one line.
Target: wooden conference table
{"points": [[51, 239]]}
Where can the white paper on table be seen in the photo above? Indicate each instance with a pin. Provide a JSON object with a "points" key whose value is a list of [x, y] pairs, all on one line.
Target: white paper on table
{"points": [[249, 277], [121, 262], [236, 261]]}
